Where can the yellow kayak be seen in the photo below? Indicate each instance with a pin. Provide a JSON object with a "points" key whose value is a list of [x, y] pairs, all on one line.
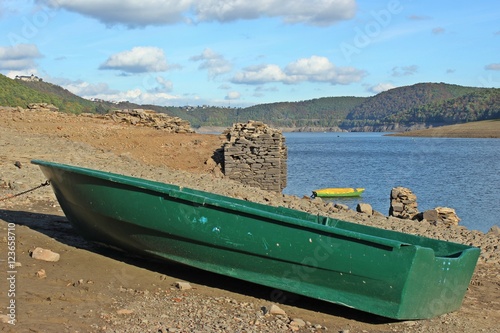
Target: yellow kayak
{"points": [[338, 192]]}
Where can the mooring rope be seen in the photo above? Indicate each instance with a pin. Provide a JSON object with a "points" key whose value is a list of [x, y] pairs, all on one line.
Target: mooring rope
{"points": [[47, 182]]}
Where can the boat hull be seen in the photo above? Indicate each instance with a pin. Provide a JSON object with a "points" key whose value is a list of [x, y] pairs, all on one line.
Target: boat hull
{"points": [[334, 192], [383, 272]]}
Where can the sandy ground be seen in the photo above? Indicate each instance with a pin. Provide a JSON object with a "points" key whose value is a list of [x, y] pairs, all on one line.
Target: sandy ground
{"points": [[94, 289]]}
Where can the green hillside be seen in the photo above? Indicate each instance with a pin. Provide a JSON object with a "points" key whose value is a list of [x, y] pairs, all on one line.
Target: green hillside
{"points": [[424, 103], [324, 112], [429, 104], [382, 108], [21, 93], [482, 104], [320, 112]]}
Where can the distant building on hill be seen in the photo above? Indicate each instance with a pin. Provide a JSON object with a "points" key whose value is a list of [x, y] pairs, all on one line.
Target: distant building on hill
{"points": [[32, 78]]}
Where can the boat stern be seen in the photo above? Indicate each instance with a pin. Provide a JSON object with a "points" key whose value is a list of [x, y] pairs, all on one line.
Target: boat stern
{"points": [[437, 284]]}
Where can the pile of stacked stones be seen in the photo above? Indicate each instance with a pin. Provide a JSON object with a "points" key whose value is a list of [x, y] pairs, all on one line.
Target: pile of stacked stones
{"points": [[42, 107], [31, 107], [404, 205], [444, 215], [150, 118], [255, 154]]}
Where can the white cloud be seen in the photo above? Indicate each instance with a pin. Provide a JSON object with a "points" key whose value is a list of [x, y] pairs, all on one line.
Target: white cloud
{"points": [[404, 71], [319, 12], [166, 85], [19, 57], [260, 74], [86, 89], [131, 13], [493, 67], [140, 59], [81, 88], [153, 90], [320, 69], [213, 62], [138, 96], [233, 95], [159, 12], [27, 72], [313, 69], [381, 87]]}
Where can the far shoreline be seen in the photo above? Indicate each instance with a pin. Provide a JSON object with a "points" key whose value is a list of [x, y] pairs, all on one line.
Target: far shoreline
{"points": [[479, 129], [486, 129]]}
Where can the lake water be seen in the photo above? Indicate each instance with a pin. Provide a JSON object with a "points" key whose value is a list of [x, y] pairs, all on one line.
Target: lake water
{"points": [[463, 174]]}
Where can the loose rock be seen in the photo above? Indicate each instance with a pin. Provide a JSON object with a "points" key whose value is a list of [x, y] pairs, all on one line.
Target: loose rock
{"points": [[495, 230], [364, 208], [276, 310], [183, 285], [441, 215], [298, 322], [41, 274], [45, 255]]}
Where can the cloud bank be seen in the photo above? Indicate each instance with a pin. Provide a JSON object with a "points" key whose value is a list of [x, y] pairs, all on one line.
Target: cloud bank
{"points": [[140, 59], [313, 69], [134, 13], [213, 62], [18, 57]]}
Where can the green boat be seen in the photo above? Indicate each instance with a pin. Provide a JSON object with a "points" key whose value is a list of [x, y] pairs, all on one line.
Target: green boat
{"points": [[383, 272]]}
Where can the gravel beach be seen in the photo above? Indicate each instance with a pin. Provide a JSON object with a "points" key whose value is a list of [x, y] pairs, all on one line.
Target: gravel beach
{"points": [[95, 289]]}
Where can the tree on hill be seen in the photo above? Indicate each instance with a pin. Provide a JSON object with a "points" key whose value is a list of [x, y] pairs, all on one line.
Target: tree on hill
{"points": [[478, 105], [404, 98]]}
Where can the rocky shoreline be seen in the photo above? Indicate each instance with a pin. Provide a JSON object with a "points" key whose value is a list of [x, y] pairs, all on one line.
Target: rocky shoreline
{"points": [[140, 306]]}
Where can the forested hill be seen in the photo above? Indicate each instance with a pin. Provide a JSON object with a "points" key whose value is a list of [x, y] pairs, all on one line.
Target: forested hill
{"points": [[420, 105], [320, 112], [22, 93], [383, 108]]}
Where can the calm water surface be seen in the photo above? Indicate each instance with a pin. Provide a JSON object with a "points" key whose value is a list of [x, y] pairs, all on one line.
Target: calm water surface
{"points": [[463, 174]]}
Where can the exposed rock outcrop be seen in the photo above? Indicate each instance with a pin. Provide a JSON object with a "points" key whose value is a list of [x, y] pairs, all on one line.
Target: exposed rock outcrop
{"points": [[440, 215], [150, 118], [42, 107]]}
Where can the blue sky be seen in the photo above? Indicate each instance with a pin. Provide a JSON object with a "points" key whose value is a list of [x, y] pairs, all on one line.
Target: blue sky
{"points": [[241, 53]]}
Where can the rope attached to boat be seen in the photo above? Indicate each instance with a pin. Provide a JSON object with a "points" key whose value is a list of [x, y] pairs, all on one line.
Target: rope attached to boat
{"points": [[10, 196]]}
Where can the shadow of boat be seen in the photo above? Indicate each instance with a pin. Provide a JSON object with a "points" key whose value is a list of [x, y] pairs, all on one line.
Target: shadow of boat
{"points": [[58, 228]]}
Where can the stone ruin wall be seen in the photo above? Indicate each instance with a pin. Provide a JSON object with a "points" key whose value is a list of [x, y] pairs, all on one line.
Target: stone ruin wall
{"points": [[256, 154]]}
